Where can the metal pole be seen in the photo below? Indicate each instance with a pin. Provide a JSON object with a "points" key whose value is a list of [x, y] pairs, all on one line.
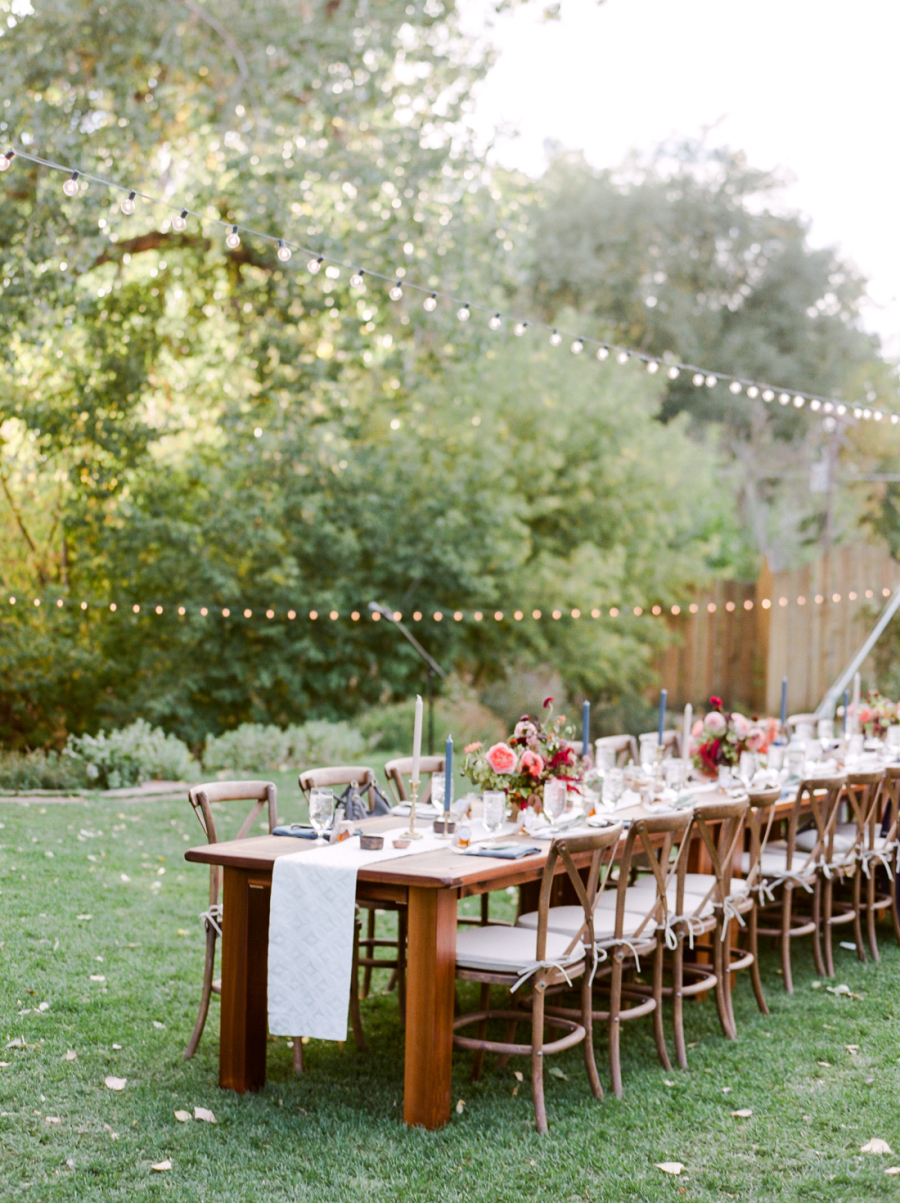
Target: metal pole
{"points": [[430, 710], [829, 702], [432, 664]]}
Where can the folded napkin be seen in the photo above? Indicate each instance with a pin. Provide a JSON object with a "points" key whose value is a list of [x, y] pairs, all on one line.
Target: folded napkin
{"points": [[506, 851]]}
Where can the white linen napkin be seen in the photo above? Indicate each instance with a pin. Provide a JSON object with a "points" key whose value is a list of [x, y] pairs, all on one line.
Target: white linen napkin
{"points": [[311, 933]]}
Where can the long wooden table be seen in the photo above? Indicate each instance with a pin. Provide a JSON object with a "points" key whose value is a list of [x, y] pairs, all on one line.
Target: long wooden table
{"points": [[429, 884]]}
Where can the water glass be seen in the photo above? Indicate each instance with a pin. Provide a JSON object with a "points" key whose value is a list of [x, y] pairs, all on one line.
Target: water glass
{"points": [[613, 786], [892, 739], [437, 790], [555, 799], [493, 810], [724, 776], [649, 751], [673, 773], [605, 757], [321, 811], [775, 757], [747, 767]]}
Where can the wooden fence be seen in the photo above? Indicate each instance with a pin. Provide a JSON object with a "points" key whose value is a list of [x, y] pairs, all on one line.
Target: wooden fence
{"points": [[805, 624]]}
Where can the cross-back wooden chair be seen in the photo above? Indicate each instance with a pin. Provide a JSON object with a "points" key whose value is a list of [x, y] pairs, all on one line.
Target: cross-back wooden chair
{"points": [[263, 795], [747, 890], [848, 847], [671, 742], [533, 953], [624, 747], [881, 852], [787, 866], [364, 777], [399, 770]]}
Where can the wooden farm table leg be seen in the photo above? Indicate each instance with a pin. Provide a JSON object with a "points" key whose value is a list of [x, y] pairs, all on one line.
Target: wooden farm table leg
{"points": [[430, 984], [245, 937]]}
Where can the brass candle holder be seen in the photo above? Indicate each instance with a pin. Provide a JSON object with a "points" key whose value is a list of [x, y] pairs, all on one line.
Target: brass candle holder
{"points": [[411, 833]]}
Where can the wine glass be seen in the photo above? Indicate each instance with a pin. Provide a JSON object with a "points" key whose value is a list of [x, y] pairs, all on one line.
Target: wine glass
{"points": [[555, 798], [321, 812], [649, 748], [613, 786], [747, 767], [493, 810]]}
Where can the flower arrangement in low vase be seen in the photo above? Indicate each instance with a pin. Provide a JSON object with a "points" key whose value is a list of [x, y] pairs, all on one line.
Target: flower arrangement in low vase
{"points": [[721, 736], [535, 753], [876, 714]]}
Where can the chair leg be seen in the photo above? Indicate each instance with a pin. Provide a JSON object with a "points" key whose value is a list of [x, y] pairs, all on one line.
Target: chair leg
{"points": [[817, 934], [484, 1003], [587, 1019], [755, 978], [355, 1016], [678, 1003], [721, 957], [659, 1034], [826, 926], [857, 913], [205, 993], [298, 1055], [786, 901], [895, 908], [367, 972], [402, 917], [485, 909], [615, 1006], [871, 914], [537, 1061]]}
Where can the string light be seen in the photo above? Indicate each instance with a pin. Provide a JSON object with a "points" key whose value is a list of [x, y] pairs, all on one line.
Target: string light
{"points": [[699, 376], [555, 338], [430, 303]]}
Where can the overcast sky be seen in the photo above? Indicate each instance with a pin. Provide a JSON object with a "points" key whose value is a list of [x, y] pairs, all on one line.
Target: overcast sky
{"points": [[806, 86]]}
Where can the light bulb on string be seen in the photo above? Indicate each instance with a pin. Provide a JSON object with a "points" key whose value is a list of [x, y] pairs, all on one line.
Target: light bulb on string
{"points": [[233, 240], [70, 187], [697, 378], [519, 328], [815, 405], [396, 293], [652, 366], [799, 401], [127, 205], [673, 373], [783, 398], [495, 322], [734, 387], [622, 357], [828, 407], [283, 252], [463, 312], [356, 280], [314, 265], [577, 347], [752, 392], [841, 410], [179, 223], [555, 338], [711, 381], [768, 395], [602, 353], [430, 303], [6, 160]]}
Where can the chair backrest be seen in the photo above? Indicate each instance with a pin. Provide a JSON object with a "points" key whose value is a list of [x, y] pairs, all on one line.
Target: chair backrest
{"points": [[760, 815], [624, 746], [671, 741], [203, 797], [801, 720], [399, 769], [890, 794], [720, 825], [822, 796], [863, 794], [312, 779], [657, 854], [602, 847]]}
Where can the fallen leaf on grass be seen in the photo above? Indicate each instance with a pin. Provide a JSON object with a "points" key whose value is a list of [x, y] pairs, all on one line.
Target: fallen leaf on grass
{"points": [[460, 1106], [843, 988], [52, 1119], [518, 1075], [160, 1167], [5, 1064], [558, 1073], [824, 1064], [71, 1055], [849, 945], [726, 1090], [112, 1135], [670, 1167], [160, 1027], [124, 877], [666, 1082], [182, 1116], [203, 1113], [85, 917], [816, 985], [693, 1044], [876, 1145], [852, 1048], [97, 977], [744, 1113], [112, 1083], [893, 1169], [118, 1047]]}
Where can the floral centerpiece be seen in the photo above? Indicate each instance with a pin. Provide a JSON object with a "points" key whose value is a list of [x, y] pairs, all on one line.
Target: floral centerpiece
{"points": [[535, 753], [720, 737], [876, 714]]}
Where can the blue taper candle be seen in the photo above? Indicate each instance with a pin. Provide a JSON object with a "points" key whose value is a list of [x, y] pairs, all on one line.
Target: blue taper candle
{"points": [[783, 700], [448, 772], [846, 708], [585, 728], [664, 693]]}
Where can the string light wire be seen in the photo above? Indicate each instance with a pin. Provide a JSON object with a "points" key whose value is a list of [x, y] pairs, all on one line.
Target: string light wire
{"points": [[699, 376]]}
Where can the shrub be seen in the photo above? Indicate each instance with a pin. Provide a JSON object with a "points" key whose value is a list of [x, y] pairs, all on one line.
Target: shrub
{"points": [[253, 748], [131, 755], [458, 713], [40, 770]]}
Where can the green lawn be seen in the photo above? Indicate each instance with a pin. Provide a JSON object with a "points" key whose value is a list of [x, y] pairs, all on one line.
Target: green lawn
{"points": [[336, 1133]]}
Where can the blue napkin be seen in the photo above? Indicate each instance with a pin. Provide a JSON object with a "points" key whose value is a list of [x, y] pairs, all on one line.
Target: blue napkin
{"points": [[507, 852], [299, 830]]}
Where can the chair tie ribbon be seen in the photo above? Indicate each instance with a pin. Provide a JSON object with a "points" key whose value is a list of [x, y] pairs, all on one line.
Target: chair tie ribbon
{"points": [[729, 912], [536, 967], [882, 855], [212, 917]]}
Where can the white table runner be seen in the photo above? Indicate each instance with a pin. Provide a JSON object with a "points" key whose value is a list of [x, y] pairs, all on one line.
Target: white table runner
{"points": [[311, 933]]}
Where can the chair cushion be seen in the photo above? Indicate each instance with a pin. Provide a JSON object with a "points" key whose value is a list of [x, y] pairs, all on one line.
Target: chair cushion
{"points": [[774, 860], [499, 949], [567, 920], [641, 898], [701, 883], [843, 840]]}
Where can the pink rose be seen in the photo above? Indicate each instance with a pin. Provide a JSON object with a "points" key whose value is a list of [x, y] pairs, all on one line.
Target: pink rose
{"points": [[756, 740], [531, 763], [697, 729], [525, 729], [475, 747], [715, 723], [501, 758], [741, 725]]}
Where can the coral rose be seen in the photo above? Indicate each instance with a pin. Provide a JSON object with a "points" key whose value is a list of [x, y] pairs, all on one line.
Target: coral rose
{"points": [[475, 747], [501, 758], [531, 763], [697, 729], [715, 723]]}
